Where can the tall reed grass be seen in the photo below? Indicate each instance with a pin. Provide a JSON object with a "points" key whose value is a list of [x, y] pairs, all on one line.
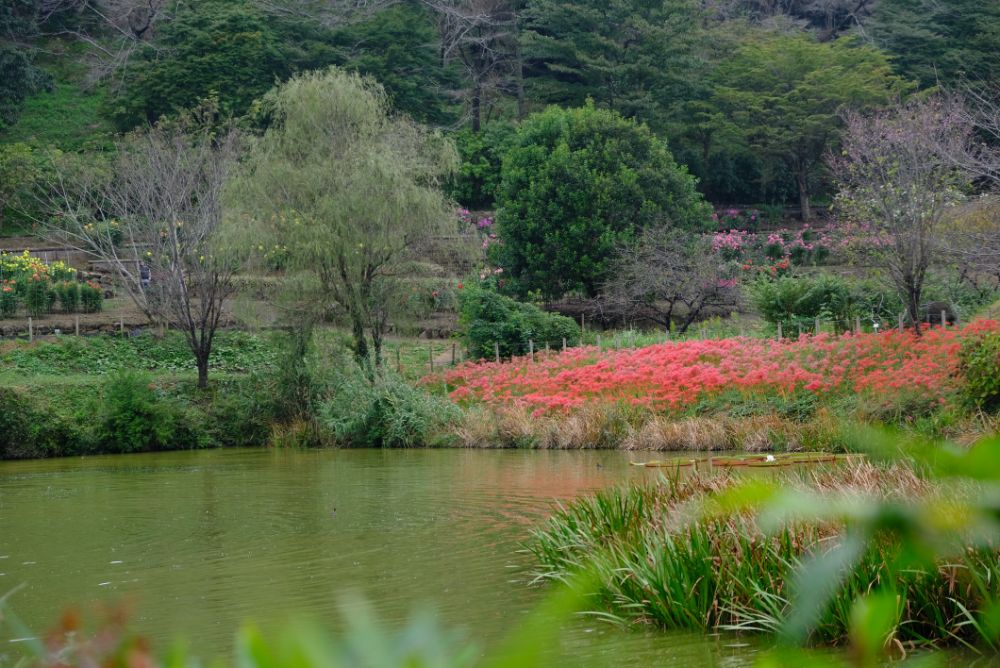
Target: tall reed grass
{"points": [[660, 562]]}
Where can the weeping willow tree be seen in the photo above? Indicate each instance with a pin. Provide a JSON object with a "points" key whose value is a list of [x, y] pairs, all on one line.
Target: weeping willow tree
{"points": [[347, 193]]}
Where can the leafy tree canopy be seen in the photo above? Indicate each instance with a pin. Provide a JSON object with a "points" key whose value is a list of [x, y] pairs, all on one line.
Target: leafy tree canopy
{"points": [[397, 47], [783, 95], [477, 180], [19, 77], [633, 56], [222, 48], [939, 42], [348, 191], [576, 184]]}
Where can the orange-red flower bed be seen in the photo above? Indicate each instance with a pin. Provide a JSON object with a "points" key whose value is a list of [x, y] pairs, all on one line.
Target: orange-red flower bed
{"points": [[673, 376]]}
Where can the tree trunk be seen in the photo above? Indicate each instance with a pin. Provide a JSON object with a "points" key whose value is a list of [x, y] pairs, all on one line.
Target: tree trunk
{"points": [[201, 359], [360, 344], [802, 179], [377, 347], [522, 107], [913, 307], [477, 112]]}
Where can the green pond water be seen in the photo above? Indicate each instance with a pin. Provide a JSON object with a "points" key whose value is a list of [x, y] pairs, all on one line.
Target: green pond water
{"points": [[199, 542]]}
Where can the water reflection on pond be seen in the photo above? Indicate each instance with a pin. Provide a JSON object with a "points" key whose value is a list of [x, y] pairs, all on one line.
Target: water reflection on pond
{"points": [[201, 541]]}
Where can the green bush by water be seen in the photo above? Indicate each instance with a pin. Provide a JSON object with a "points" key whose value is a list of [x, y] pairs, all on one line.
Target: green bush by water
{"points": [[384, 411]]}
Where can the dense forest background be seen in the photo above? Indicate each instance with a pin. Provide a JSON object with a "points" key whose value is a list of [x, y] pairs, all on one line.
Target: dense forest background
{"points": [[748, 94]]}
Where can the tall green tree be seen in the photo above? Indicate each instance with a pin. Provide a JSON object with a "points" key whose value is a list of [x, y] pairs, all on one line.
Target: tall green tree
{"points": [[349, 191], [19, 76], [575, 185], [940, 42], [783, 95], [222, 48], [632, 56], [399, 48]]}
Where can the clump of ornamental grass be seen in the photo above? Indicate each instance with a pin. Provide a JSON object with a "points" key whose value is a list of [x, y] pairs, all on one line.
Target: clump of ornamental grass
{"points": [[663, 433], [659, 560], [602, 425], [765, 433]]}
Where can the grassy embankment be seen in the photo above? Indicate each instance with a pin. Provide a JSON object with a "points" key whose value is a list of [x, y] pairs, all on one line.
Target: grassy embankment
{"points": [[72, 396]]}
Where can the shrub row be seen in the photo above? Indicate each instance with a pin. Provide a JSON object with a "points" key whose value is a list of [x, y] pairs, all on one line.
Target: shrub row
{"points": [[295, 402], [489, 321], [39, 297], [129, 413]]}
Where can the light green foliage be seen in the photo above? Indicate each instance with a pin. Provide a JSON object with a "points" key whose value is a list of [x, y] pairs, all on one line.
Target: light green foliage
{"points": [[130, 417], [633, 56], [23, 170], [980, 365], [487, 318], [575, 185], [782, 94], [940, 42], [384, 411], [798, 301], [349, 191], [68, 116], [233, 352]]}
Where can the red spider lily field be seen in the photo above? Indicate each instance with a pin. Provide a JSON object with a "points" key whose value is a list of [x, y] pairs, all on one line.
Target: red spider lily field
{"points": [[685, 381]]}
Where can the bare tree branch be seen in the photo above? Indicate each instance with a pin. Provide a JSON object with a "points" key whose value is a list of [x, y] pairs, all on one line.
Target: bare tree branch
{"points": [[668, 277], [153, 221]]}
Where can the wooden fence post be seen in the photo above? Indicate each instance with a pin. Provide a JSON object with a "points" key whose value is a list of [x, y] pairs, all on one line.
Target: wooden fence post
{"points": [[531, 350], [31, 330], [944, 318], [564, 344], [430, 354], [817, 325], [496, 351], [598, 341], [779, 330], [399, 362], [901, 322], [857, 324], [76, 324]]}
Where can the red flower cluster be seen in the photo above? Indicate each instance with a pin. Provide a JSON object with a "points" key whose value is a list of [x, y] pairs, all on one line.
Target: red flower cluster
{"points": [[675, 375]]}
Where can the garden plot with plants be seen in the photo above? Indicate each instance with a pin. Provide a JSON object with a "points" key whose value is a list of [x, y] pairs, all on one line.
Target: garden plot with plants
{"points": [[29, 286]]}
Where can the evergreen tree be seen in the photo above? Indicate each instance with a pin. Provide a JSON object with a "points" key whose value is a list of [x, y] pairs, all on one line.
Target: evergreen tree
{"points": [[19, 77], [633, 56], [938, 42], [398, 47], [575, 185], [222, 48]]}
